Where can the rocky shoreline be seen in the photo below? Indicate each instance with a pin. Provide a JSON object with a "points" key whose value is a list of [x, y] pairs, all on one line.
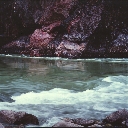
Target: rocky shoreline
{"points": [[69, 28], [11, 119]]}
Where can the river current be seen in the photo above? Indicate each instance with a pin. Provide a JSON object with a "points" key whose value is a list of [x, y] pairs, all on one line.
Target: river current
{"points": [[54, 88]]}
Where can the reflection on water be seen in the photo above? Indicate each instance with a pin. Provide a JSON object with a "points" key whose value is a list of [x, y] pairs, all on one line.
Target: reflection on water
{"points": [[37, 74]]}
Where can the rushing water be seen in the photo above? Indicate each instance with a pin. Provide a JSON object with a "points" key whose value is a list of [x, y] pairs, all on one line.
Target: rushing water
{"points": [[54, 88]]}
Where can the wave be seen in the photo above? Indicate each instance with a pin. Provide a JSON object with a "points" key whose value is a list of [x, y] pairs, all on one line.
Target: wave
{"points": [[114, 91]]}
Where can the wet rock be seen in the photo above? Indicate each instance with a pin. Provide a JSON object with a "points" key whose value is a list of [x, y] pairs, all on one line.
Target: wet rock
{"points": [[65, 123], [4, 98], [17, 118], [83, 122], [1, 126], [70, 50], [116, 118]]}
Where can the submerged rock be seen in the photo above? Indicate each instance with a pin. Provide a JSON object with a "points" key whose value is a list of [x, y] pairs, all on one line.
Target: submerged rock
{"points": [[4, 98], [17, 118]]}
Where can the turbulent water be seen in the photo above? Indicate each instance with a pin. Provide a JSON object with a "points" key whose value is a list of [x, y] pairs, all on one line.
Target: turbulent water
{"points": [[54, 88]]}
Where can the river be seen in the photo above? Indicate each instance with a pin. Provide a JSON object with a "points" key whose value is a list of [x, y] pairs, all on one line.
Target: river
{"points": [[54, 88]]}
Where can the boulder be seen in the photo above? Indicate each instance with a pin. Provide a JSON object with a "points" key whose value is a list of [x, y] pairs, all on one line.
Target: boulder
{"points": [[17, 118], [83, 122], [116, 118]]}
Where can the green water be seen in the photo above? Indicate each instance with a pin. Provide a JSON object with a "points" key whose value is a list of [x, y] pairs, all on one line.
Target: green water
{"points": [[47, 77]]}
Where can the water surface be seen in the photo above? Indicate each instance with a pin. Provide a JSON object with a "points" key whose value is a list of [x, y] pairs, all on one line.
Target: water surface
{"points": [[53, 88]]}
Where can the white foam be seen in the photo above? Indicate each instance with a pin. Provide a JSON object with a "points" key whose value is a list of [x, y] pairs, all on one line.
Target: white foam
{"points": [[115, 91], [53, 103]]}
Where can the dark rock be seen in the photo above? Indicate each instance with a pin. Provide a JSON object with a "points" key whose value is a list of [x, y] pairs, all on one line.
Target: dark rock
{"points": [[16, 46], [55, 10], [100, 24], [120, 46], [126, 122], [11, 126], [17, 118], [83, 122], [116, 118], [4, 98]]}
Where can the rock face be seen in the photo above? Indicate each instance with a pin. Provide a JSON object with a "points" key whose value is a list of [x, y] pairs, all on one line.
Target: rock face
{"points": [[101, 25], [83, 122], [17, 118]]}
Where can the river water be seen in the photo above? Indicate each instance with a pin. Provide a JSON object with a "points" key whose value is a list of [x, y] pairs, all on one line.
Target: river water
{"points": [[54, 88]]}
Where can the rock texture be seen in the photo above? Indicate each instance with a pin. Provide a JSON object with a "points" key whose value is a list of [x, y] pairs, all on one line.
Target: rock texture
{"points": [[17, 118], [66, 123], [52, 27], [117, 117]]}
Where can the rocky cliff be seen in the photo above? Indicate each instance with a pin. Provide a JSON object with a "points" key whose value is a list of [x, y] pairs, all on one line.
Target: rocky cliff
{"points": [[64, 28]]}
